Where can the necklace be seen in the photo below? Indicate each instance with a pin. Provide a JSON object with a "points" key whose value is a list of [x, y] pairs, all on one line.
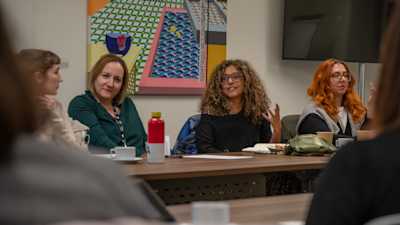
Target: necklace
{"points": [[117, 120], [120, 125]]}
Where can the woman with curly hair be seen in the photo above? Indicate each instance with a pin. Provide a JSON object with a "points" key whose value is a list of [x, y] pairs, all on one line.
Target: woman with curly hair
{"points": [[235, 110], [335, 105]]}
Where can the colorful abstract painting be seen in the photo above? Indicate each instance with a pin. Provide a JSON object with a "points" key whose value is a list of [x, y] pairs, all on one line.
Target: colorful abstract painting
{"points": [[160, 40]]}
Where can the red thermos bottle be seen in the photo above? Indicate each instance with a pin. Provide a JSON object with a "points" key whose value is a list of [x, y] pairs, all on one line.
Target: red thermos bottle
{"points": [[155, 138]]}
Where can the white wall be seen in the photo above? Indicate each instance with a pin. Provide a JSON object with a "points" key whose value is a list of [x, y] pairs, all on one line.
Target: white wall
{"points": [[254, 34], [57, 25]]}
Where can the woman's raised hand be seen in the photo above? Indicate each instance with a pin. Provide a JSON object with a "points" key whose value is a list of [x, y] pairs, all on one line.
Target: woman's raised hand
{"points": [[274, 117]]}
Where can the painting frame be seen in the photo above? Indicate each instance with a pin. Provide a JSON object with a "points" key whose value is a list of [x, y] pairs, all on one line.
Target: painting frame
{"points": [[145, 60]]}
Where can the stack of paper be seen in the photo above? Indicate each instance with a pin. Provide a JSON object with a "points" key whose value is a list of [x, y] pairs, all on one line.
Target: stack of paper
{"points": [[258, 148]]}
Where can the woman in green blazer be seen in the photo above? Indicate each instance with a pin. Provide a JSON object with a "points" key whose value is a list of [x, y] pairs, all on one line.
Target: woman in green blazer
{"points": [[111, 117]]}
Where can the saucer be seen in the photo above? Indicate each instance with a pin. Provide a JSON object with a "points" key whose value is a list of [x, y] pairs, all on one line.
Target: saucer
{"points": [[112, 156]]}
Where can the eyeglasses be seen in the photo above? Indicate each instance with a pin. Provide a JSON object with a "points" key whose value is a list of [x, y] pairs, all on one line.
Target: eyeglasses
{"points": [[337, 76], [234, 77]]}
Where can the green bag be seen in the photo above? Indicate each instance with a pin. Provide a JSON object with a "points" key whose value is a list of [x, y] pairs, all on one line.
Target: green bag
{"points": [[309, 144]]}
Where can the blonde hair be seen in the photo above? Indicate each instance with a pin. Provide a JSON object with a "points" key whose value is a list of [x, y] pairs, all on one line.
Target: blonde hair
{"points": [[98, 68]]}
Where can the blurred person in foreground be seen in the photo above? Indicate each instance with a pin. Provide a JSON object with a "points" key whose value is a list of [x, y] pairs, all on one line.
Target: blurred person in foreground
{"points": [[361, 182], [44, 183]]}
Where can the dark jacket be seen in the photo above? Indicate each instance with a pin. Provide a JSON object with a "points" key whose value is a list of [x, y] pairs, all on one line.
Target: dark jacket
{"points": [[186, 140]]}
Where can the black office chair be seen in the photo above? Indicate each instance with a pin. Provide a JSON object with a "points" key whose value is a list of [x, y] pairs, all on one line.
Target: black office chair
{"points": [[186, 140], [289, 123]]}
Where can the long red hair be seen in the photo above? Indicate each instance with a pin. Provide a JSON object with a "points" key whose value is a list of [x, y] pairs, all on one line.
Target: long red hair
{"points": [[322, 95]]}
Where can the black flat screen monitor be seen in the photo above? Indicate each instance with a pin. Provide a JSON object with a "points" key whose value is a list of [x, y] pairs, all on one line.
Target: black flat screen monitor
{"points": [[349, 30]]}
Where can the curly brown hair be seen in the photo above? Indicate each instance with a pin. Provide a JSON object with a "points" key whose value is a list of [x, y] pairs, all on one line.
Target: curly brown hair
{"points": [[255, 101]]}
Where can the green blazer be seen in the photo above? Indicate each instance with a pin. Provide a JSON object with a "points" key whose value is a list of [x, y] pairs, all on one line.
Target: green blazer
{"points": [[103, 130]]}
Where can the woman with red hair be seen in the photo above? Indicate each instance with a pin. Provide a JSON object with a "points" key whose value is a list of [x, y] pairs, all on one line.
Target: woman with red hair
{"points": [[361, 182], [335, 105]]}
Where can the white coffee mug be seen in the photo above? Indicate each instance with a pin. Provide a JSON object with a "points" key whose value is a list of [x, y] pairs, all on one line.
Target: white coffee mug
{"points": [[343, 141], [123, 153], [210, 213]]}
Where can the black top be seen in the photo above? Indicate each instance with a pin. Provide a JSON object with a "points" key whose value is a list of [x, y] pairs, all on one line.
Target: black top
{"points": [[361, 182], [314, 123], [229, 133]]}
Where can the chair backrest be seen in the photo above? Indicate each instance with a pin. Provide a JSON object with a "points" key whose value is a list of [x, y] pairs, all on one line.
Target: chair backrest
{"points": [[186, 140], [393, 219], [289, 123]]}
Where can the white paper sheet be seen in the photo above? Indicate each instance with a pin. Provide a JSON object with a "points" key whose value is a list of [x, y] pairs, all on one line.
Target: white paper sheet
{"points": [[216, 157]]}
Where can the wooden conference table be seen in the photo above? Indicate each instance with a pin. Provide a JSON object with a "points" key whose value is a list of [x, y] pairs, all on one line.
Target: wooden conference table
{"points": [[262, 210], [183, 180]]}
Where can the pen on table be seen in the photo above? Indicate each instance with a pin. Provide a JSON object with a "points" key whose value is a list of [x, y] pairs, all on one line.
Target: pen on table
{"points": [[174, 156]]}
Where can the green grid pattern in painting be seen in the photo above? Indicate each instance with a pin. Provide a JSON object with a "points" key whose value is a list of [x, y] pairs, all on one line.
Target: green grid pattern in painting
{"points": [[139, 18]]}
